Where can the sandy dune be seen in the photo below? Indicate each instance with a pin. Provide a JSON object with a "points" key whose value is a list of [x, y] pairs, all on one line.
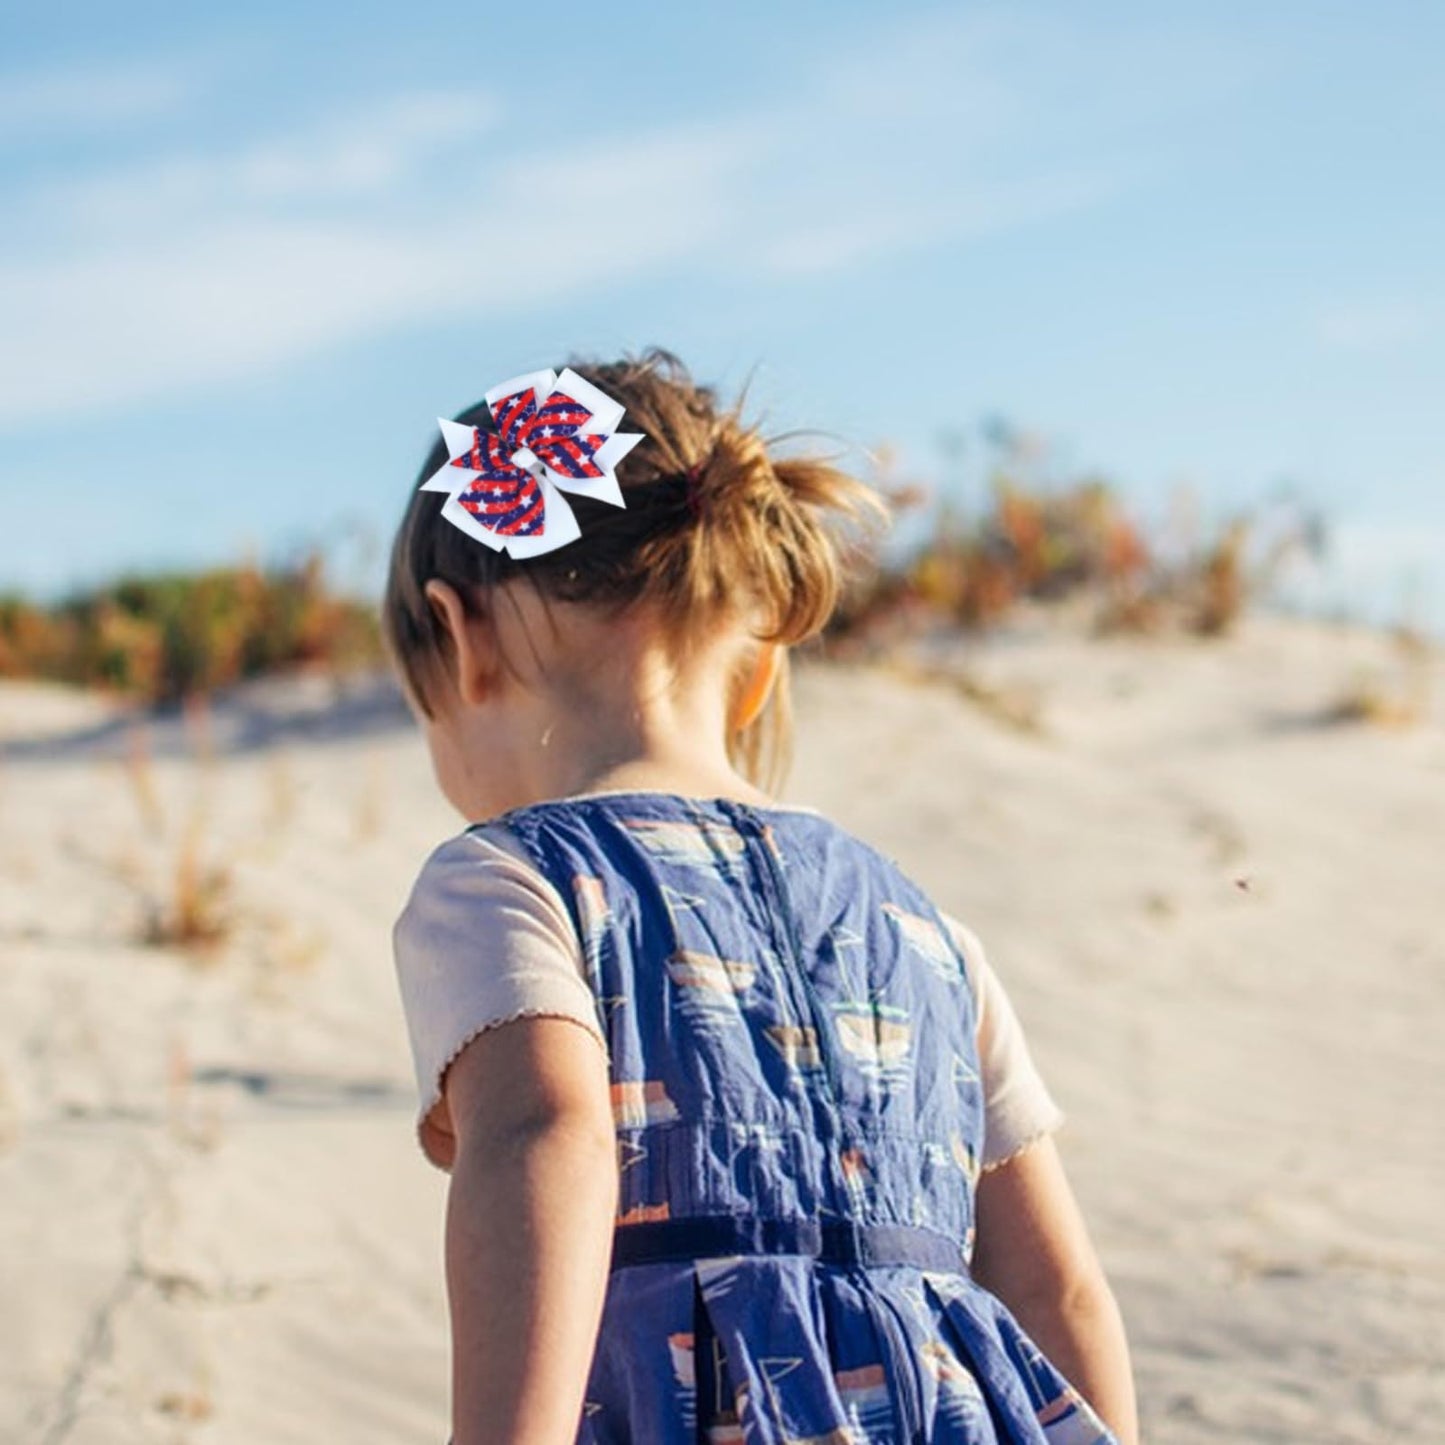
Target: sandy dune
{"points": [[1218, 912]]}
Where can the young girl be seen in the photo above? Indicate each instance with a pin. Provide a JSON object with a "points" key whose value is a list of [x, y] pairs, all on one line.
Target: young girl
{"points": [[745, 1143]]}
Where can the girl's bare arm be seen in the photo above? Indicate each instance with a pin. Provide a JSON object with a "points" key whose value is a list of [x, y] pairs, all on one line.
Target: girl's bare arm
{"points": [[528, 1228], [1034, 1252]]}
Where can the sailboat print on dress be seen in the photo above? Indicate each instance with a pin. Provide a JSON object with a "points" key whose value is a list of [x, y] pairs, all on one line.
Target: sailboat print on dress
{"points": [[1066, 1417], [707, 985], [928, 939], [716, 980], [698, 843], [864, 1392], [965, 1158], [721, 1424], [684, 1376], [712, 1404], [680, 904], [595, 917], [1068, 1420], [638, 1102], [959, 1398], [645, 1213], [776, 1368], [793, 1038], [853, 1165], [630, 1153], [595, 913], [797, 1045], [877, 1035], [679, 1349], [963, 1072], [840, 938], [708, 988]]}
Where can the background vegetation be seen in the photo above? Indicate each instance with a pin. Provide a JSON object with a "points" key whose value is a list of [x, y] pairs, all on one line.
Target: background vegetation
{"points": [[1038, 534], [1035, 534], [168, 636]]}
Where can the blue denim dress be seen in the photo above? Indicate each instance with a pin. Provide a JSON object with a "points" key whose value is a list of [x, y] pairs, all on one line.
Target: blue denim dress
{"points": [[799, 1121]]}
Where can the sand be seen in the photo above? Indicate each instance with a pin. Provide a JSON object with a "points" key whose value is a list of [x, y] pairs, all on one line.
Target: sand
{"points": [[1216, 906]]}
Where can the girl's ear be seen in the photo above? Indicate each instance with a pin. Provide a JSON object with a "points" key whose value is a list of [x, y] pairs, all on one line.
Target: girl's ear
{"points": [[472, 657], [759, 684]]}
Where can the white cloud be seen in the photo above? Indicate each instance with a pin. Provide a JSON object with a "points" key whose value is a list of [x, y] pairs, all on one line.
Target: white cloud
{"points": [[89, 100], [365, 153], [843, 241], [197, 267], [220, 300], [1374, 325], [343, 158]]}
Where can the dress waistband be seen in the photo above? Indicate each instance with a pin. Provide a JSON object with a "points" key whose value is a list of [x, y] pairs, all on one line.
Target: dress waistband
{"points": [[831, 1241]]}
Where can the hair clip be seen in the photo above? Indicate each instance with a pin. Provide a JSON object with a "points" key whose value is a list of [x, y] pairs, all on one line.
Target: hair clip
{"points": [[553, 433]]}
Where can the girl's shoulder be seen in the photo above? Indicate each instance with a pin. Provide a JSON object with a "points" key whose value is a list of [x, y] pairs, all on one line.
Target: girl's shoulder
{"points": [[472, 872], [483, 939]]}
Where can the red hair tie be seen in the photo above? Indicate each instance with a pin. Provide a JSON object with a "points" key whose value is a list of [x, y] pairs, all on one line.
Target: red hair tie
{"points": [[694, 491]]}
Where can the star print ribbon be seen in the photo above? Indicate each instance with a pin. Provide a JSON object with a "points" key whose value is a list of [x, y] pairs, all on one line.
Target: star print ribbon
{"points": [[552, 433]]}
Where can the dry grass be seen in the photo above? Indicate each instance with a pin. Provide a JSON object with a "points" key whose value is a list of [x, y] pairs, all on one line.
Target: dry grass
{"points": [[367, 818], [1046, 537], [192, 1405], [194, 912], [1016, 709], [188, 889], [1370, 699], [197, 720], [1399, 701], [280, 793], [140, 774], [1223, 583], [9, 1114]]}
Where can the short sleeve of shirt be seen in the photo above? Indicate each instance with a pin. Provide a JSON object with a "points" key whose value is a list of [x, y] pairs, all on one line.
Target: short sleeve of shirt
{"points": [[1018, 1108], [484, 939]]}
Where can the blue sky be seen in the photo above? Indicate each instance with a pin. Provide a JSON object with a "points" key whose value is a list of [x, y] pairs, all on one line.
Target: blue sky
{"points": [[249, 256]]}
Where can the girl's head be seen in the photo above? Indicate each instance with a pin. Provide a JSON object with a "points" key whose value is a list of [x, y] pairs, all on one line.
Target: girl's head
{"points": [[722, 557]]}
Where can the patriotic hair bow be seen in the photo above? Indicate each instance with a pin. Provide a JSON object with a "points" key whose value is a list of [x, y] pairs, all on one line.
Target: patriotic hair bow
{"points": [[552, 433]]}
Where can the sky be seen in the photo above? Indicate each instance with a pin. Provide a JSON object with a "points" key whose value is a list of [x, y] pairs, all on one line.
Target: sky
{"points": [[249, 254]]}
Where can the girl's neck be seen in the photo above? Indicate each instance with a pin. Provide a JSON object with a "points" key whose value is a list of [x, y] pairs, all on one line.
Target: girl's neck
{"points": [[633, 739], [567, 760]]}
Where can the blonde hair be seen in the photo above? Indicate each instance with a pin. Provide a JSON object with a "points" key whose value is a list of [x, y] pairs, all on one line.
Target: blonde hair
{"points": [[715, 528]]}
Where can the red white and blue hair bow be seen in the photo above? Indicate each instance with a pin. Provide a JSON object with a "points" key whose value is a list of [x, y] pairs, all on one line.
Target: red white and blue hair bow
{"points": [[553, 433]]}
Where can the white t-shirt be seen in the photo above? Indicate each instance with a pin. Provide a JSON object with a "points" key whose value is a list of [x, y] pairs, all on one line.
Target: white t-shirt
{"points": [[485, 938]]}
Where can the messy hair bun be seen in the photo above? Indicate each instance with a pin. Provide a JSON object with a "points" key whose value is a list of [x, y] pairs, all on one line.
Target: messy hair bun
{"points": [[715, 529]]}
